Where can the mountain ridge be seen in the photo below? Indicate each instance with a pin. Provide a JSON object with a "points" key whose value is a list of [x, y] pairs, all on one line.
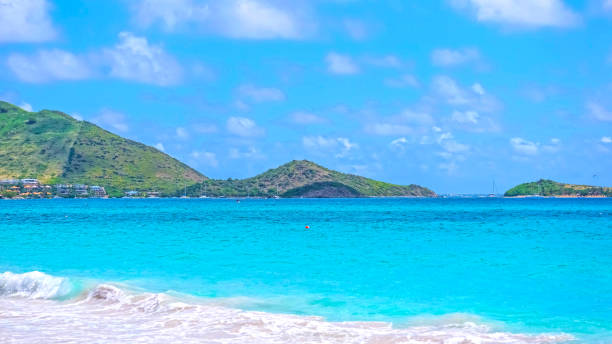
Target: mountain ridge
{"points": [[56, 148], [300, 174]]}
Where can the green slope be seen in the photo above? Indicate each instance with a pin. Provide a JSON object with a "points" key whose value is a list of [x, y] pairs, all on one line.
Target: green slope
{"points": [[56, 148], [305, 179], [544, 187]]}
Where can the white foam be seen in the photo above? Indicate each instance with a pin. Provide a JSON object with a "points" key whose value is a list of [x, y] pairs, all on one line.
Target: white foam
{"points": [[110, 314], [33, 285]]}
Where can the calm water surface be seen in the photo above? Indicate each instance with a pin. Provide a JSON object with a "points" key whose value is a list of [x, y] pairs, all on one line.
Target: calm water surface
{"points": [[521, 265]]}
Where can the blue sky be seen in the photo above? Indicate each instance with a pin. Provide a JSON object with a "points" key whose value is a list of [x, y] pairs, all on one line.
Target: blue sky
{"points": [[449, 94]]}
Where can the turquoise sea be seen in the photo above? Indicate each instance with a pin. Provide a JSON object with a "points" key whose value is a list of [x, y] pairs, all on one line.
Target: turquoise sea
{"points": [[482, 270]]}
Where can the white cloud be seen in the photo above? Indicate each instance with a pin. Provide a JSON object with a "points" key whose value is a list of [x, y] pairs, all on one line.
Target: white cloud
{"points": [[243, 126], [182, 133], [452, 152], [111, 120], [133, 58], [400, 141], [26, 106], [450, 57], [539, 94], [388, 61], [408, 122], [406, 80], [552, 147], [523, 146], [389, 129], [356, 29], [306, 118], [418, 118], [474, 97], [261, 94], [598, 112], [465, 117], [448, 143], [205, 157], [525, 13], [478, 89], [606, 139], [170, 13], [160, 147], [251, 19], [607, 5], [204, 128], [48, 65], [341, 64], [77, 116], [450, 90], [399, 144], [341, 146], [452, 146], [249, 153], [26, 21]]}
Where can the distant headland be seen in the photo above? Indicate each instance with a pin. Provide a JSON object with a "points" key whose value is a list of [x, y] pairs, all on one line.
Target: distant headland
{"points": [[549, 188]]}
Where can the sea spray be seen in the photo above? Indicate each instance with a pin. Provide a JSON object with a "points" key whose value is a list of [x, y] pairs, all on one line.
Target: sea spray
{"points": [[109, 311], [34, 285]]}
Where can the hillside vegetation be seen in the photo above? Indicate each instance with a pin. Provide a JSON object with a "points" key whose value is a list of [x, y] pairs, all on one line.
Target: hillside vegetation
{"points": [[56, 148], [304, 178], [546, 187]]}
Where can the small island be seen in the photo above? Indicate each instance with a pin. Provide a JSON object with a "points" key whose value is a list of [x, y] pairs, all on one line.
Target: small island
{"points": [[550, 188]]}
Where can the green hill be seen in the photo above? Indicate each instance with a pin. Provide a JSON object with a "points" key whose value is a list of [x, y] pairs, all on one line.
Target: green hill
{"points": [[56, 148], [544, 187], [306, 179]]}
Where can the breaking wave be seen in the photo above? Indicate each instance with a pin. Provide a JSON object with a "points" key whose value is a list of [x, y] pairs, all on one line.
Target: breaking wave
{"points": [[32, 310], [34, 285]]}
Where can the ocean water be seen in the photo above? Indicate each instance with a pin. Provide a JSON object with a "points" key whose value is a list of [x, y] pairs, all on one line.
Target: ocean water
{"points": [[366, 271]]}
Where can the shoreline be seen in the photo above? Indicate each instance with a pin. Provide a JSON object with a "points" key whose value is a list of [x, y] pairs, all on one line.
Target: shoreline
{"points": [[58, 313]]}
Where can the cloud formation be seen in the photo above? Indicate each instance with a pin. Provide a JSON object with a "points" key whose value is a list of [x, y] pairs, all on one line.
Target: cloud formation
{"points": [[450, 57], [598, 112], [306, 118], [26, 21], [525, 13], [408, 122], [474, 97], [406, 80], [248, 19], [204, 157], [112, 121], [26, 106], [523, 146], [339, 146], [49, 65], [261, 94], [243, 126], [341, 64], [133, 58]]}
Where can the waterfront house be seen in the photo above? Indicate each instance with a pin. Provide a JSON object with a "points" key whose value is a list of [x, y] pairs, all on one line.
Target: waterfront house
{"points": [[81, 190], [63, 190], [132, 193], [97, 191]]}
